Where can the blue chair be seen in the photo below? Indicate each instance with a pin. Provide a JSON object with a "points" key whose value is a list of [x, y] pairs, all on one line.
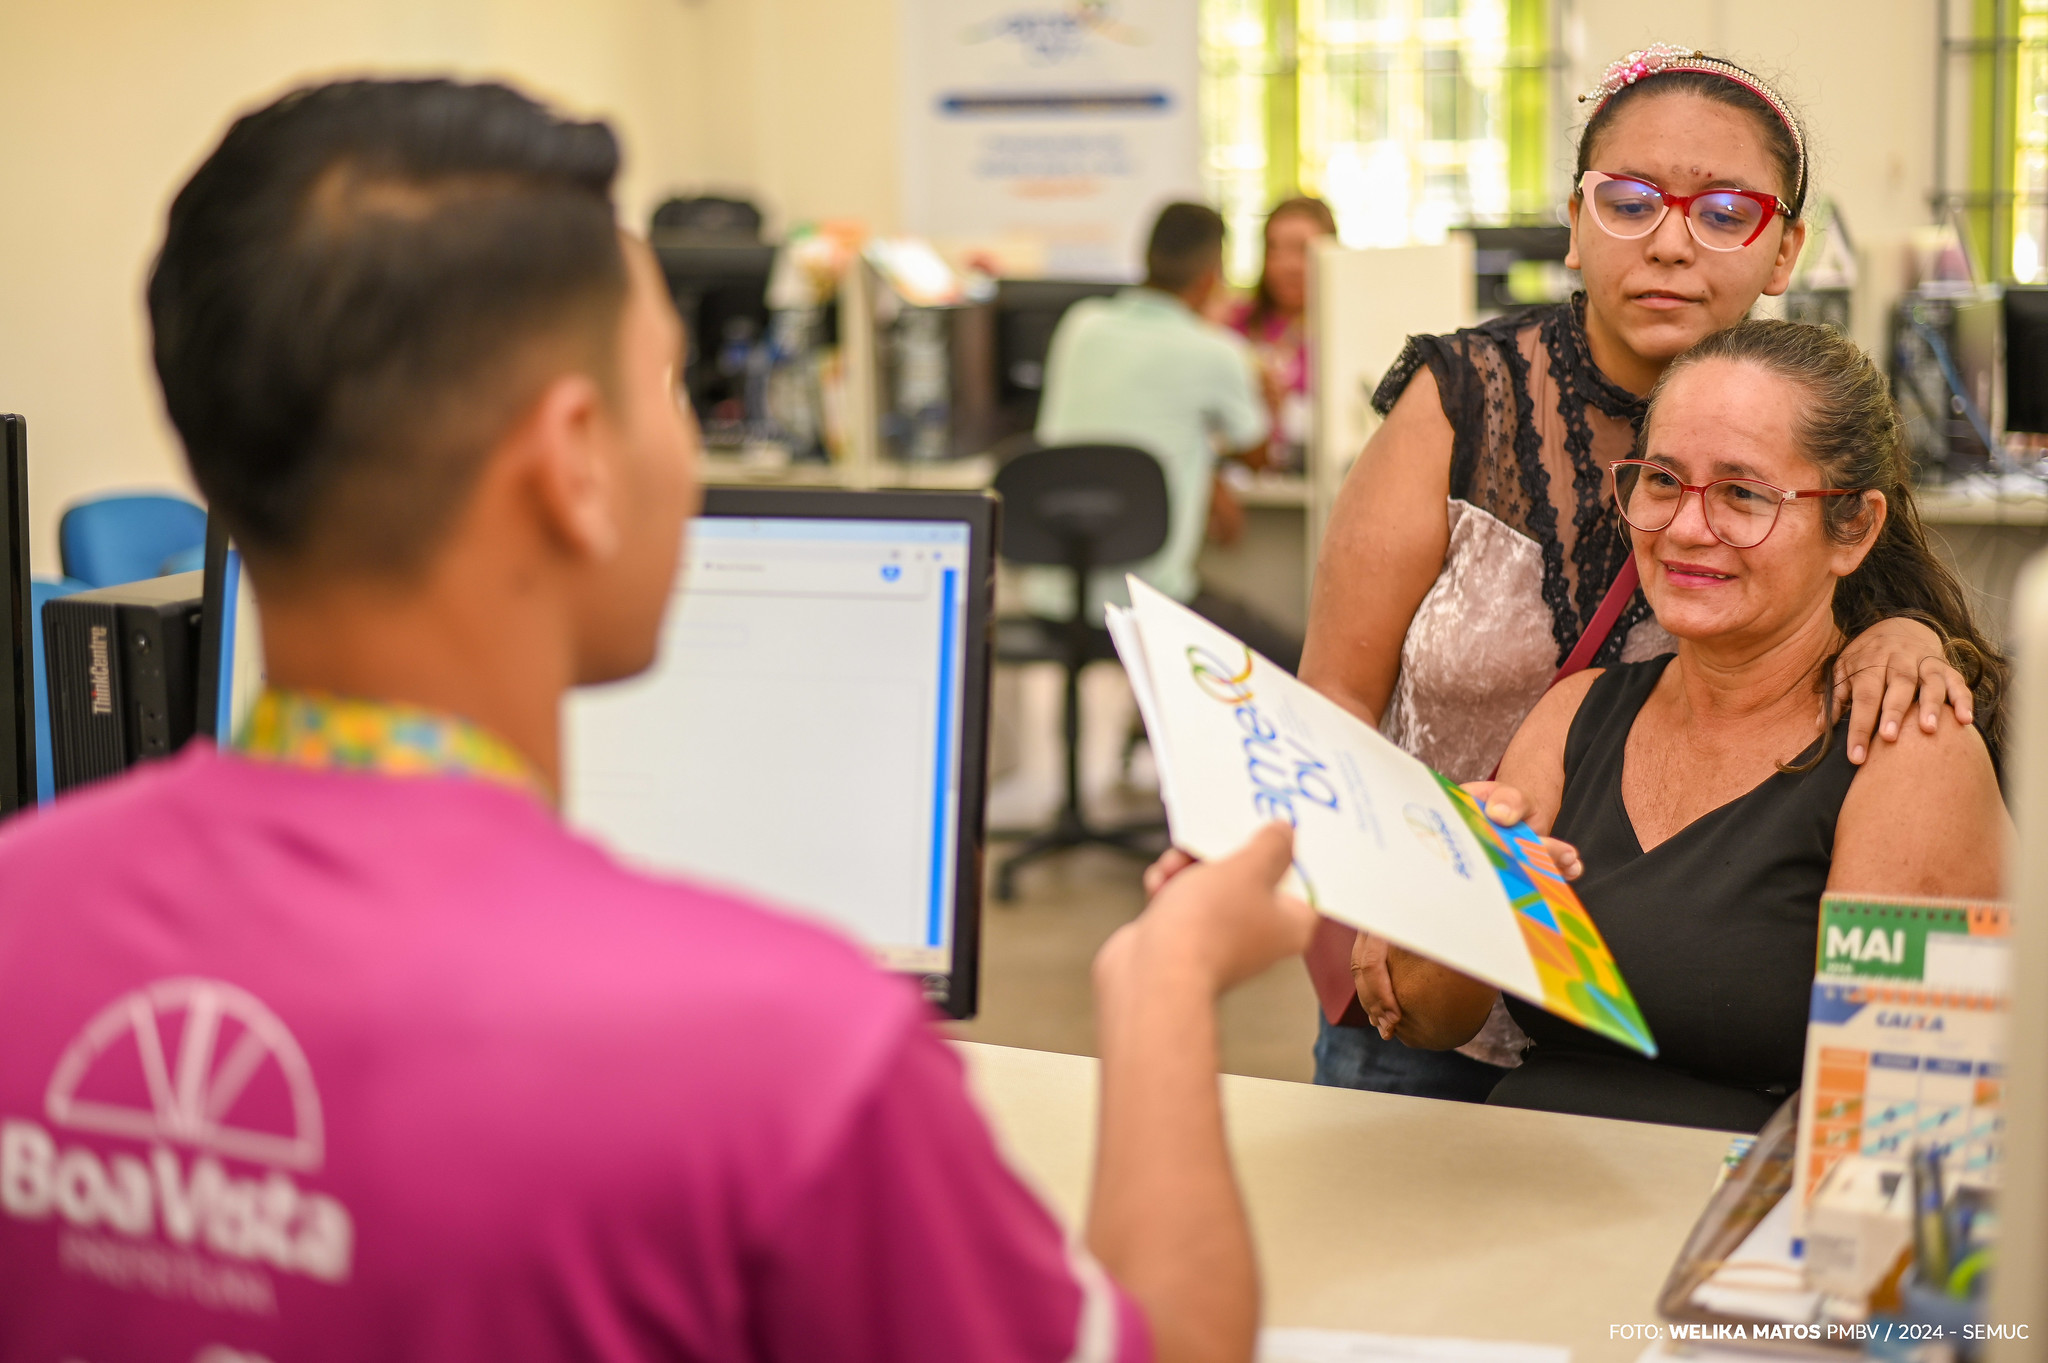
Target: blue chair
{"points": [[43, 589], [106, 541]]}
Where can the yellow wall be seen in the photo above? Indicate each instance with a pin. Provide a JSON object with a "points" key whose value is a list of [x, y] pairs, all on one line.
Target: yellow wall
{"points": [[799, 102], [108, 104]]}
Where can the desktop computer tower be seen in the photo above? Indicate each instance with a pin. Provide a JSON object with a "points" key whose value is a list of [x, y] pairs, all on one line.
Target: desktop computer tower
{"points": [[935, 376], [124, 675], [1946, 373]]}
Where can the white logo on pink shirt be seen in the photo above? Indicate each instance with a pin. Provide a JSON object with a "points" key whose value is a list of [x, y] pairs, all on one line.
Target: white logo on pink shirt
{"points": [[226, 1042], [195, 1063]]}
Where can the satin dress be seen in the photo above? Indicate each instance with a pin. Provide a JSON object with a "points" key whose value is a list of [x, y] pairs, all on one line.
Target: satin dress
{"points": [[1534, 546]]}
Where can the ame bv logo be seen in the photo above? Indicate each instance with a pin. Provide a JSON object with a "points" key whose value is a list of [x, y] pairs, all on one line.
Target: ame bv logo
{"points": [[1283, 774]]}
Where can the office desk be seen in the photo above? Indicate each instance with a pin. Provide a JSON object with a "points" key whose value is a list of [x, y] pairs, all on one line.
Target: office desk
{"points": [[1987, 536], [1407, 1215]]}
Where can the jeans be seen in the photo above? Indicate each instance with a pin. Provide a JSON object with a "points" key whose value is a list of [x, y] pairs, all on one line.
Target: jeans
{"points": [[1357, 1058]]}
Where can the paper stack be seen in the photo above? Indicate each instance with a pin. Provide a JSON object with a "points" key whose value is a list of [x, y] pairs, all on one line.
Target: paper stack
{"points": [[1382, 843]]}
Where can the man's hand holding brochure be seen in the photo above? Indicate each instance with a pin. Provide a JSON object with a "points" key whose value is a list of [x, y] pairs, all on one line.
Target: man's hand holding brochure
{"points": [[1381, 842]]}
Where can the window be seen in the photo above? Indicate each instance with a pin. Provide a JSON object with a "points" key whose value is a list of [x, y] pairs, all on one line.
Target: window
{"points": [[1408, 116], [2030, 145], [1991, 137]]}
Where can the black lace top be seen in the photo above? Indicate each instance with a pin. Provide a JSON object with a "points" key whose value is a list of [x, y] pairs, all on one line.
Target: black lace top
{"points": [[1535, 424]]}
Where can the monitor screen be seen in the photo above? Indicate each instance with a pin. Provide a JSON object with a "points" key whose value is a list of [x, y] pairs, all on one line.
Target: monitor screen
{"points": [[230, 641], [813, 731]]}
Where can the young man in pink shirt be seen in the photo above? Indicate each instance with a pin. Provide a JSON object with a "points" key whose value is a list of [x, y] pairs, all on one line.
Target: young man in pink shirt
{"points": [[340, 1046]]}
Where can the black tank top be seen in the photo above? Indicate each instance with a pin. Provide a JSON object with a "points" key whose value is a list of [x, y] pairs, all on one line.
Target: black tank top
{"points": [[1713, 929]]}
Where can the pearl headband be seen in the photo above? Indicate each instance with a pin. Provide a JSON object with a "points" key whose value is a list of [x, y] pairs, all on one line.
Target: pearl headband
{"points": [[1659, 59]]}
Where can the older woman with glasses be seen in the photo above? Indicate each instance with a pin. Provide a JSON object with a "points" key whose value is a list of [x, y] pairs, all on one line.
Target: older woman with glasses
{"points": [[1468, 559], [1707, 797]]}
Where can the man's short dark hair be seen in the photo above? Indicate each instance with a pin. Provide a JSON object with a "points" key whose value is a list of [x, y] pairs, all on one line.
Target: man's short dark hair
{"points": [[347, 294], [1186, 240]]}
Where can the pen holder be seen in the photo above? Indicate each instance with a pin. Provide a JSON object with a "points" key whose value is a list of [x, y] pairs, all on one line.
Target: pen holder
{"points": [[1924, 1304]]}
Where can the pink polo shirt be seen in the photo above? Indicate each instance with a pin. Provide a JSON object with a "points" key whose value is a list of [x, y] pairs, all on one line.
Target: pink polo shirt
{"points": [[301, 1065]]}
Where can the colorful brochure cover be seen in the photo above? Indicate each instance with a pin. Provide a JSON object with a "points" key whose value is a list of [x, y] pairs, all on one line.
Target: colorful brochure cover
{"points": [[1382, 843], [1905, 1038]]}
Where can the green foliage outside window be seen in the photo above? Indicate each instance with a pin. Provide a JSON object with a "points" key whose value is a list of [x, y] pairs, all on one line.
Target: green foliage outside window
{"points": [[1408, 116]]}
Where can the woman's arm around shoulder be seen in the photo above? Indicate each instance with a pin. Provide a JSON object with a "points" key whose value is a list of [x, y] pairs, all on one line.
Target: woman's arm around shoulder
{"points": [[1381, 553], [1924, 817]]}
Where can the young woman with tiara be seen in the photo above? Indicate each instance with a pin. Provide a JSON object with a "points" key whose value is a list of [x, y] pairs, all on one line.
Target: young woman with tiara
{"points": [[1445, 629]]}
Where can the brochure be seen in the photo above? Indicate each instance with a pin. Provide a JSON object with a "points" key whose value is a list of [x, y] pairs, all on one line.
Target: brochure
{"points": [[1382, 843], [1906, 1037]]}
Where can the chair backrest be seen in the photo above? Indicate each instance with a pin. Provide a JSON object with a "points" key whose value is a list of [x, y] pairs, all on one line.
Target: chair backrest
{"points": [[106, 541], [709, 216], [1097, 503], [40, 590]]}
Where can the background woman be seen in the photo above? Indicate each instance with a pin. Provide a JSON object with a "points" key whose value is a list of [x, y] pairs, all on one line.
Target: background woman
{"points": [[1708, 795], [1274, 319], [1446, 629]]}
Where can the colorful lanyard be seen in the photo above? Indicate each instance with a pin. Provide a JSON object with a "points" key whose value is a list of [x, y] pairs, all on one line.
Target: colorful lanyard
{"points": [[336, 733]]}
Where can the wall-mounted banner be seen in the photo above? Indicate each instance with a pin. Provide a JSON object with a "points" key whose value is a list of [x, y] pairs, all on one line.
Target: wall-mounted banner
{"points": [[1058, 126]]}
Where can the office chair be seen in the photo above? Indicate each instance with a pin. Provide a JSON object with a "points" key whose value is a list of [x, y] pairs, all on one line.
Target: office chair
{"points": [[1079, 507], [42, 589], [708, 217], [106, 541]]}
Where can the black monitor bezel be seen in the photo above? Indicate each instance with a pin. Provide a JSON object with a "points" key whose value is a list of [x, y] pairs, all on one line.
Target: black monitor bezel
{"points": [[17, 653], [213, 596], [2026, 407], [956, 994]]}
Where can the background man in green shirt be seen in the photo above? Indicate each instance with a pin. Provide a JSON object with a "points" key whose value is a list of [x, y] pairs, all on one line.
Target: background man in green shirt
{"points": [[1146, 368]]}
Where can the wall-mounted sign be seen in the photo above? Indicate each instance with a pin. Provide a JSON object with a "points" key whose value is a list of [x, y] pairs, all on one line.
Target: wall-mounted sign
{"points": [[1058, 125]]}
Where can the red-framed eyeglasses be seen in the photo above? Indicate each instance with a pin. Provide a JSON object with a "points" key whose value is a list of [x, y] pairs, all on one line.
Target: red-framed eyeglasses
{"points": [[1740, 511], [1719, 219]]}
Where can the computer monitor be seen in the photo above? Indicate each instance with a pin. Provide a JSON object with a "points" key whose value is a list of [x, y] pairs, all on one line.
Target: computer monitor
{"points": [[2026, 358], [1497, 250], [721, 291], [1027, 313], [814, 733], [230, 639], [17, 647]]}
